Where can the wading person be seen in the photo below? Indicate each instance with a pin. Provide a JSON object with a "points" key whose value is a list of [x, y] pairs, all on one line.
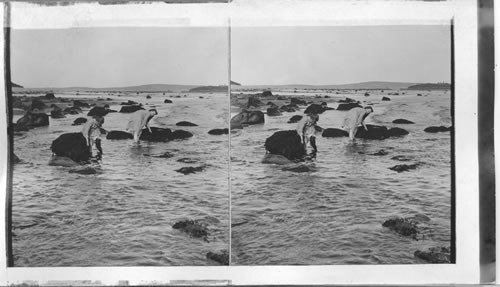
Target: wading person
{"points": [[138, 121], [92, 130], [355, 118], [306, 128]]}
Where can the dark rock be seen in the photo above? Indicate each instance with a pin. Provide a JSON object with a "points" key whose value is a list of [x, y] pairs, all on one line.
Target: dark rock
{"points": [[49, 96], [401, 158], [334, 133], [84, 171], [289, 108], [402, 121], [402, 226], [57, 114], [434, 255], [367, 94], [253, 101], [404, 167], [148, 97], [158, 135], [271, 104], [71, 145], [131, 109], [437, 129], [298, 102], [79, 121], [419, 95], [167, 101], [314, 108], [285, 143], [31, 120], [218, 132], [295, 119], [267, 94], [222, 257], [98, 112], [166, 155], [385, 99], [273, 111], [379, 153], [129, 103], [119, 135], [186, 124], [190, 169], [348, 106], [180, 135], [193, 227], [37, 106], [348, 100], [246, 117], [80, 104], [275, 159], [299, 168], [397, 132], [62, 161], [72, 111], [374, 132]]}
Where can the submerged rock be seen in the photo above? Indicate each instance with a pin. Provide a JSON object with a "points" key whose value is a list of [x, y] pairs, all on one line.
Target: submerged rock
{"points": [[71, 145], [334, 133], [62, 161], [79, 121], [285, 143], [435, 255], [396, 132], [84, 171], [402, 121], [193, 227], [118, 135], [222, 257], [186, 124], [218, 131], [402, 226], [190, 169], [295, 119], [404, 167], [275, 159], [434, 129], [165, 155], [179, 135], [299, 168]]}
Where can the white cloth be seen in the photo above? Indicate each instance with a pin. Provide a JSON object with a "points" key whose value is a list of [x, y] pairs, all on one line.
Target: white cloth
{"points": [[138, 121], [306, 126], [354, 118]]}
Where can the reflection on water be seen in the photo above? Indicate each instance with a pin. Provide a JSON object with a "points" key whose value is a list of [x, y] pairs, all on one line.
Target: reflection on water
{"points": [[334, 213], [123, 215]]}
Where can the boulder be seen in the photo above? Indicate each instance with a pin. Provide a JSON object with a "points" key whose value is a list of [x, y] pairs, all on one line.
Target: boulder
{"points": [[314, 108], [131, 109], [374, 132], [80, 104], [57, 114], [179, 135], [434, 255], [157, 135], [253, 101], [434, 129], [348, 106], [98, 112], [273, 111], [190, 169], [386, 99], [298, 102], [295, 119], [185, 124], [222, 257], [285, 143], [62, 161], [267, 94], [37, 106], [289, 108], [72, 111], [334, 133], [165, 155], [167, 101], [148, 97], [246, 117], [31, 120], [404, 167], [348, 100], [402, 121], [79, 121], [367, 94], [71, 145], [218, 131], [119, 135], [193, 227], [396, 132], [275, 159], [129, 103], [402, 226]]}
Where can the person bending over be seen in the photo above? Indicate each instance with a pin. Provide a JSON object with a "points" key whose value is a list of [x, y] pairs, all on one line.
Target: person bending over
{"points": [[355, 118], [92, 130], [306, 128], [138, 121]]}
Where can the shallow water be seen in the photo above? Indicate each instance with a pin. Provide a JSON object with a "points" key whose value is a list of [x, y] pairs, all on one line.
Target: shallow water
{"points": [[123, 215], [334, 214]]}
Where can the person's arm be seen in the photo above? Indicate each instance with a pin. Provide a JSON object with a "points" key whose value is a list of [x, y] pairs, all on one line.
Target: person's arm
{"points": [[363, 121], [86, 131], [301, 126]]}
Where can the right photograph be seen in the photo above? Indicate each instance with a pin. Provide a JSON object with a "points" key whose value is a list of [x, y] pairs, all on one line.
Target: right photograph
{"points": [[342, 145]]}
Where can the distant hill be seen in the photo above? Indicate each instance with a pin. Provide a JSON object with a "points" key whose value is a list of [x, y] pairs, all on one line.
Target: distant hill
{"points": [[353, 86], [141, 88], [209, 89], [429, 86]]}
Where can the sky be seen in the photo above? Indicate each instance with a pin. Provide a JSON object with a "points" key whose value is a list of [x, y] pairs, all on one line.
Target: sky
{"points": [[340, 54], [117, 57]]}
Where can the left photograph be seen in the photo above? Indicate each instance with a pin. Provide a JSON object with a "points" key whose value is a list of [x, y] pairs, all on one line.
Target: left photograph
{"points": [[119, 146]]}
